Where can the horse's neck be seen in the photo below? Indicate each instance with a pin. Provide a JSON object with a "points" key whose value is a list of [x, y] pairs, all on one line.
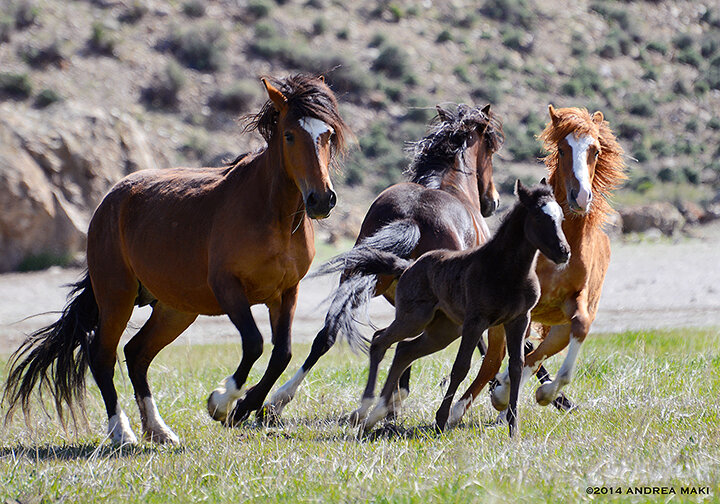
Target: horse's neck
{"points": [[510, 246], [268, 179], [461, 180]]}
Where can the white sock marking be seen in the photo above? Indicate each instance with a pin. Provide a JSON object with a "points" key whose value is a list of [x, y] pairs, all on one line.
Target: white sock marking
{"points": [[579, 147], [223, 397], [285, 394], [458, 411], [568, 366], [155, 427], [379, 412], [119, 428]]}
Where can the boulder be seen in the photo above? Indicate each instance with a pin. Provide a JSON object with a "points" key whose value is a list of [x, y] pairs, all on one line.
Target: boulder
{"points": [[55, 167], [662, 216]]}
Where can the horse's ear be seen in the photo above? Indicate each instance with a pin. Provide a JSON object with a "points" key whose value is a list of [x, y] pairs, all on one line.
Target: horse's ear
{"points": [[544, 181], [486, 110], [322, 78], [598, 117], [278, 99], [443, 114], [522, 193], [553, 115]]}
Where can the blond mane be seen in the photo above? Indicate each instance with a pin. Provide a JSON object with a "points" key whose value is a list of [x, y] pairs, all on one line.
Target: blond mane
{"points": [[610, 167]]}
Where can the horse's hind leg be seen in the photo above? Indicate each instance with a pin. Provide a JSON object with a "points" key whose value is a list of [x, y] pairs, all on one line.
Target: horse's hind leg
{"points": [[115, 305], [163, 326]]}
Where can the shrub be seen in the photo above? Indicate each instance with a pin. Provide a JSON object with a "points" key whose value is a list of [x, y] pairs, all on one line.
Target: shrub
{"points": [[462, 74], [514, 12], [6, 26], [26, 14], [690, 57], [133, 12], [714, 123], [691, 175], [259, 8], [666, 175], [393, 61], [199, 47], [164, 89], [419, 110], [709, 46], [657, 46], [194, 8], [47, 97], [584, 82], [488, 91], [641, 154], [517, 40], [630, 129], [102, 40], [444, 36], [683, 41], [238, 98], [14, 85], [320, 26], [343, 34], [378, 39], [640, 104], [43, 260], [41, 57]]}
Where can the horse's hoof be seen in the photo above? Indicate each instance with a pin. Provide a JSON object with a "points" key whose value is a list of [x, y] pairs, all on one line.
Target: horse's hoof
{"points": [[499, 399], [562, 403], [457, 412], [215, 410], [120, 432], [239, 414], [161, 437], [268, 415], [545, 393]]}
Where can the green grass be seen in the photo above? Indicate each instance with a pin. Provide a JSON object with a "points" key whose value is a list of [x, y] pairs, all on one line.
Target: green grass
{"points": [[649, 416]]}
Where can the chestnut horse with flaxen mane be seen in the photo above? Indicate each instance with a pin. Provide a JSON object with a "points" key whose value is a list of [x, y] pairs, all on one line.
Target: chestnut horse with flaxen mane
{"points": [[188, 241], [585, 165]]}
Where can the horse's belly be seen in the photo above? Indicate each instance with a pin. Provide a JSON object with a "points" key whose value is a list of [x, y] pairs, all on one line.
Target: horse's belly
{"points": [[549, 314]]}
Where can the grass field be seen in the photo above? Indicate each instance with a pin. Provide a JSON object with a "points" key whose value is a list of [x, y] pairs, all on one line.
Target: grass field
{"points": [[649, 417]]}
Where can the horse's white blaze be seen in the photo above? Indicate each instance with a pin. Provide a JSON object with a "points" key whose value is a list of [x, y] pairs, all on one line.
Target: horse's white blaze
{"points": [[286, 393], [579, 147], [315, 127], [119, 428], [457, 411], [223, 397], [154, 426], [553, 210]]}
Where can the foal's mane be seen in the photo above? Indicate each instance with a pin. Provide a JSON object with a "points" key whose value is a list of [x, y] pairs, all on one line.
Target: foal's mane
{"points": [[435, 153], [610, 167], [307, 96]]}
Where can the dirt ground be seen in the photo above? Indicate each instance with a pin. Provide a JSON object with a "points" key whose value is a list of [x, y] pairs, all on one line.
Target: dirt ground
{"points": [[649, 285]]}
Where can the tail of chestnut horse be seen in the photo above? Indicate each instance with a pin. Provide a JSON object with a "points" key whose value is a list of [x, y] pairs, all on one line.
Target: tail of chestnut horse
{"points": [[382, 253], [55, 357]]}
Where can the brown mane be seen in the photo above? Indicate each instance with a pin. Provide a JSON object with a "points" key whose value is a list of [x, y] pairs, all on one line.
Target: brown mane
{"points": [[307, 96], [610, 167]]}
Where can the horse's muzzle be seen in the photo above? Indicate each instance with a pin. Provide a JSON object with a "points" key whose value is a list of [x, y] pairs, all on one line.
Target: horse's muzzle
{"points": [[488, 206], [318, 206]]}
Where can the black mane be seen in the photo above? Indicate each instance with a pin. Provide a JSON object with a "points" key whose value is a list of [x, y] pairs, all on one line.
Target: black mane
{"points": [[447, 136]]}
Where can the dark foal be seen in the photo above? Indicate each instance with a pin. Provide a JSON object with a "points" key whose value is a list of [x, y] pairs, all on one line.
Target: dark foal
{"points": [[477, 288]]}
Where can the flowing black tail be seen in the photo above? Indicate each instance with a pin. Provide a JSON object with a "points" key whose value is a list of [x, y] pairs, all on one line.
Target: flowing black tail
{"points": [[55, 357], [381, 253]]}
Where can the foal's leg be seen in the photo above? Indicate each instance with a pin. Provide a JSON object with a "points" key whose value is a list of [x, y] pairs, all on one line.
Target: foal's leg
{"points": [[115, 306], [488, 369], [164, 325], [281, 316], [231, 295], [438, 335], [471, 334], [406, 325], [515, 332]]}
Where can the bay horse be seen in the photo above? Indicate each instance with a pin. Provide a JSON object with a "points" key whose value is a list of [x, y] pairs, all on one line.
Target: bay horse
{"points": [[194, 241], [442, 206], [494, 284], [585, 165]]}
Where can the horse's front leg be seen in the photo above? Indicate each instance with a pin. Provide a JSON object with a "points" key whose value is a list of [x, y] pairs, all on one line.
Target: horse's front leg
{"points": [[515, 332], [572, 335], [231, 295], [281, 317]]}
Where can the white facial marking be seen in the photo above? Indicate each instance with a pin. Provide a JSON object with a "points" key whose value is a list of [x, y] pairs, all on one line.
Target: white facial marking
{"points": [[553, 210], [579, 147], [315, 128]]}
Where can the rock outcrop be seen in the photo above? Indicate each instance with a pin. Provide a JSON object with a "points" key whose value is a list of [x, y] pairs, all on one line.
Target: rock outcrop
{"points": [[55, 167]]}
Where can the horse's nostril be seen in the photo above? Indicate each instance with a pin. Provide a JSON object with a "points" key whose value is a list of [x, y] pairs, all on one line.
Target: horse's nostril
{"points": [[311, 200], [332, 200]]}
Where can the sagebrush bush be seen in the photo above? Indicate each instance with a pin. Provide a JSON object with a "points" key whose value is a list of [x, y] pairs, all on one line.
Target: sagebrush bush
{"points": [[6, 27], [640, 104], [133, 12], [237, 98], [40, 57], [26, 14], [194, 8], [393, 61], [514, 12], [15, 85], [201, 47], [47, 97], [102, 40], [163, 90]]}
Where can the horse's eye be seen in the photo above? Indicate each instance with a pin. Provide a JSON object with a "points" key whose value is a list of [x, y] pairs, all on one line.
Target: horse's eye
{"points": [[289, 137], [561, 152], [597, 153]]}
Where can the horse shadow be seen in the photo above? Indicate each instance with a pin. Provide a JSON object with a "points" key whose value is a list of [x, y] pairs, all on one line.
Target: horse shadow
{"points": [[81, 451]]}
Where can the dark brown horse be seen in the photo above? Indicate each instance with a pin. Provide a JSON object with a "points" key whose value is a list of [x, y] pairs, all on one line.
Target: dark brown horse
{"points": [[189, 242], [450, 190], [494, 284], [584, 164]]}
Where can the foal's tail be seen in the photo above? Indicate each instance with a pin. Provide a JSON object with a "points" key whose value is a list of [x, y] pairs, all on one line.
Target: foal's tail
{"points": [[55, 357], [382, 253]]}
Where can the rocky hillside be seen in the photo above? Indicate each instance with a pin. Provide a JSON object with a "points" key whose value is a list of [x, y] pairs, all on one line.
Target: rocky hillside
{"points": [[92, 89]]}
